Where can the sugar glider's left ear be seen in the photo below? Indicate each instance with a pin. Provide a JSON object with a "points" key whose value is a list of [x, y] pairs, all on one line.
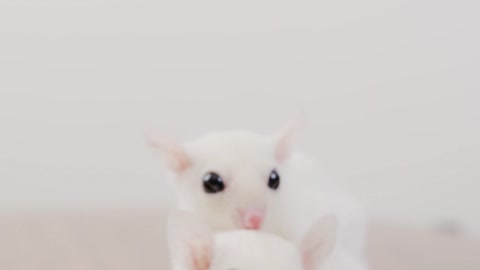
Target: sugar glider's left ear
{"points": [[176, 157], [284, 140]]}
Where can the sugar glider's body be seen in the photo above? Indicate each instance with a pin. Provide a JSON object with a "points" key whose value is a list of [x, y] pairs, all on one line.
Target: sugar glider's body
{"points": [[317, 195], [242, 180]]}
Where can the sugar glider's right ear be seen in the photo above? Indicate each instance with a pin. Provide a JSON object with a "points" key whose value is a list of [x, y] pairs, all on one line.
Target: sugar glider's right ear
{"points": [[284, 139], [190, 241], [176, 157]]}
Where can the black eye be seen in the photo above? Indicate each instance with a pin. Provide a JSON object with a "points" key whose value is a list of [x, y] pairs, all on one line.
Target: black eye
{"points": [[213, 183], [274, 180]]}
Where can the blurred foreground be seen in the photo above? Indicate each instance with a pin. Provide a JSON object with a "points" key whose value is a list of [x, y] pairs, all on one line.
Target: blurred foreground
{"points": [[134, 239]]}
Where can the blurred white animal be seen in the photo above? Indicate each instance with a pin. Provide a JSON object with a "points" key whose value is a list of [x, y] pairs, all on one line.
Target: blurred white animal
{"points": [[193, 246], [307, 194], [242, 180]]}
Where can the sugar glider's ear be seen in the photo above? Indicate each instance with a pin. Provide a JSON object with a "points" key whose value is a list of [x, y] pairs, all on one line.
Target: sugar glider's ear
{"points": [[176, 157], [319, 242], [190, 241], [284, 139]]}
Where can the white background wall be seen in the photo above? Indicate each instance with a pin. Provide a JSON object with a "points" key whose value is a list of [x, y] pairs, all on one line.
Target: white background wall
{"points": [[391, 90]]}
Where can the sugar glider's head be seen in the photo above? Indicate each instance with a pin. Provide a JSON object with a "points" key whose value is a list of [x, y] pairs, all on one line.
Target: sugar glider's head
{"points": [[193, 246], [231, 179]]}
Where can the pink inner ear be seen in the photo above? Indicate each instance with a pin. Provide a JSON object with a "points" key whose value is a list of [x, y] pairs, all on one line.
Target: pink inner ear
{"points": [[283, 147], [282, 153], [284, 143], [178, 160]]}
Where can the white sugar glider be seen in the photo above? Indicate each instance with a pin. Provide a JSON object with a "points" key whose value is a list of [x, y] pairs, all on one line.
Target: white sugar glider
{"points": [[242, 180], [193, 246]]}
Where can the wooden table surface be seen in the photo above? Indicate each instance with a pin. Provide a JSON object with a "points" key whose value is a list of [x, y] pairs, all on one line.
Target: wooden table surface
{"points": [[135, 240]]}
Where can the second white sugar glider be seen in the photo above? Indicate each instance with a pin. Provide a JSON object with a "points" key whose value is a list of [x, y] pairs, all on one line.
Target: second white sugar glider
{"points": [[193, 246], [242, 180]]}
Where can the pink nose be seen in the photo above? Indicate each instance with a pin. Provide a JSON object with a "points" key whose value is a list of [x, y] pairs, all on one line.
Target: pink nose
{"points": [[253, 218]]}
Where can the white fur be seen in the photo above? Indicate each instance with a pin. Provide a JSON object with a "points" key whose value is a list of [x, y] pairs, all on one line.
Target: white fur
{"points": [[245, 160], [191, 242], [313, 194]]}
